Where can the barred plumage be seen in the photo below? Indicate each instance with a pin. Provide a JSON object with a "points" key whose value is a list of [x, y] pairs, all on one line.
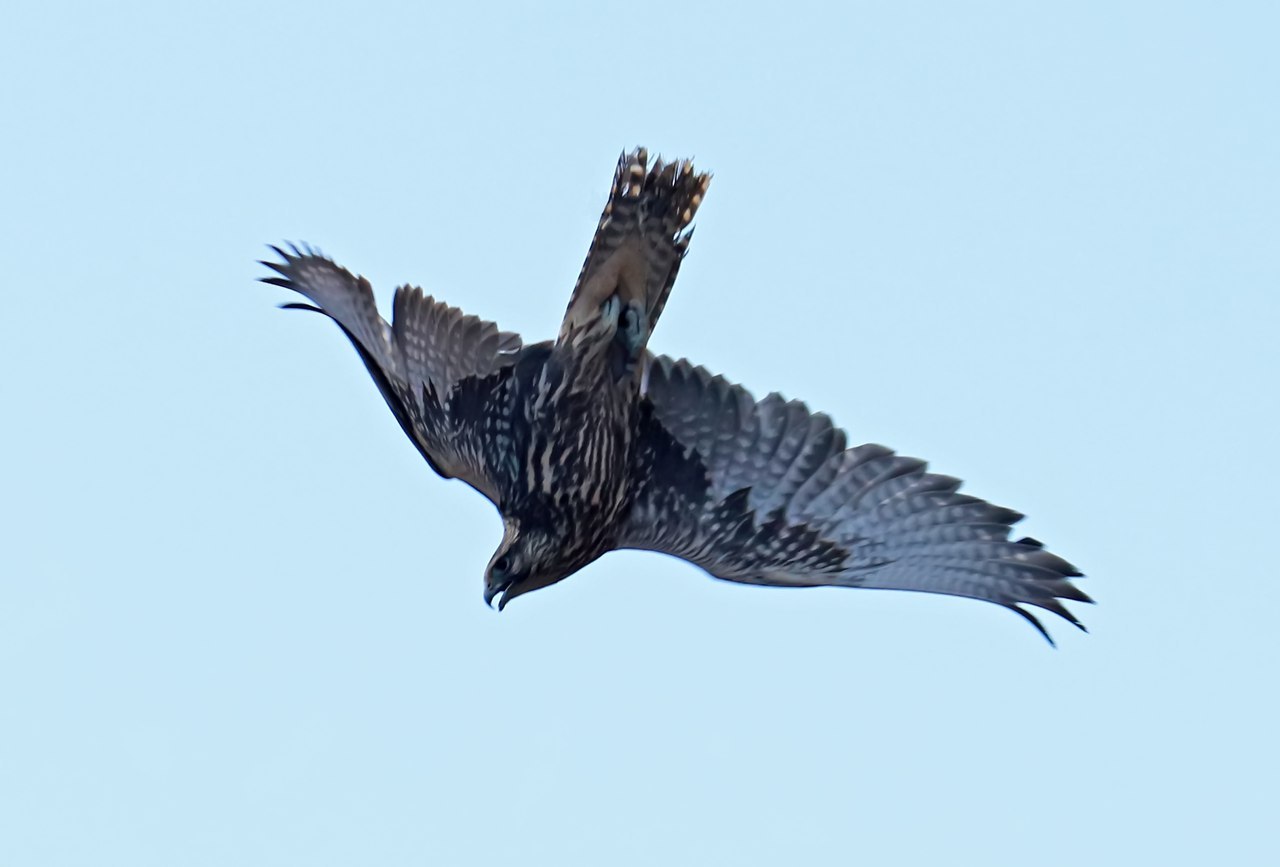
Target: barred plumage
{"points": [[589, 443]]}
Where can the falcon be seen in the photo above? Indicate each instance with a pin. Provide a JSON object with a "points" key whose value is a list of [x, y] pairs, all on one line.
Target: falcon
{"points": [[590, 443]]}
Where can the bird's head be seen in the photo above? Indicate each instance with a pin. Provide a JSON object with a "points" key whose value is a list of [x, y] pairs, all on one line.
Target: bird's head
{"points": [[527, 559]]}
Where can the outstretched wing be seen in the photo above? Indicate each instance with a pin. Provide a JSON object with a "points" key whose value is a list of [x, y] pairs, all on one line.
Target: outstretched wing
{"points": [[444, 374], [767, 493]]}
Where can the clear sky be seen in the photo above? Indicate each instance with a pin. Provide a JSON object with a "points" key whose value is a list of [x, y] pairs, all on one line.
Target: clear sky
{"points": [[241, 620]]}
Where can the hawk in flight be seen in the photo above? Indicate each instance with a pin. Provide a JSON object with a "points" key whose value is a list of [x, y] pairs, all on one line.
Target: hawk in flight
{"points": [[589, 442]]}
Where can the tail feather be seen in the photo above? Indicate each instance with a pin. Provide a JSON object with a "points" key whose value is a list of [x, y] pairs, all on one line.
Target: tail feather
{"points": [[643, 234]]}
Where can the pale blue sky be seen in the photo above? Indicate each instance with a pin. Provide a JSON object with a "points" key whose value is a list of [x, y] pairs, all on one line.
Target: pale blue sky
{"points": [[241, 621]]}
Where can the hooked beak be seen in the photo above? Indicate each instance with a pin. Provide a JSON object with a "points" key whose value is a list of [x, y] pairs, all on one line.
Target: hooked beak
{"points": [[500, 588], [505, 590], [490, 591]]}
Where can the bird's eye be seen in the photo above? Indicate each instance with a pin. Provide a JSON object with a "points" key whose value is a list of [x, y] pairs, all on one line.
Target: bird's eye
{"points": [[502, 564]]}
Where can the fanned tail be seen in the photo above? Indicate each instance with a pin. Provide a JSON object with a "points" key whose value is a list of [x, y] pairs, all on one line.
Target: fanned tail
{"points": [[635, 255]]}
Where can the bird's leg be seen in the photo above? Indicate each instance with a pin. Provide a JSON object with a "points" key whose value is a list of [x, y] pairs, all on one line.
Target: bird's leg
{"points": [[630, 333], [609, 310], [627, 320], [633, 329]]}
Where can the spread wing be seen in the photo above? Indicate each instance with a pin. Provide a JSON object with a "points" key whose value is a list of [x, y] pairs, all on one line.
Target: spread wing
{"points": [[444, 373], [768, 493]]}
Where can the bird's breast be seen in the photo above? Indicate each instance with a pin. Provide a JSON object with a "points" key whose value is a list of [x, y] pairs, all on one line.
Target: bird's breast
{"points": [[577, 459]]}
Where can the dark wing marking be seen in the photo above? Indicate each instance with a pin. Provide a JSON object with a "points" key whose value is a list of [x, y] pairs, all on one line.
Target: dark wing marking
{"points": [[768, 493], [643, 234], [442, 372]]}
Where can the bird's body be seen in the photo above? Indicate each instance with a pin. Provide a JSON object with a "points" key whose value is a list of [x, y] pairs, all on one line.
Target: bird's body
{"points": [[573, 457], [590, 443]]}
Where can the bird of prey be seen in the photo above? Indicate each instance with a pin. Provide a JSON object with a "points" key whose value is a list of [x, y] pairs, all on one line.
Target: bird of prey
{"points": [[590, 443]]}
